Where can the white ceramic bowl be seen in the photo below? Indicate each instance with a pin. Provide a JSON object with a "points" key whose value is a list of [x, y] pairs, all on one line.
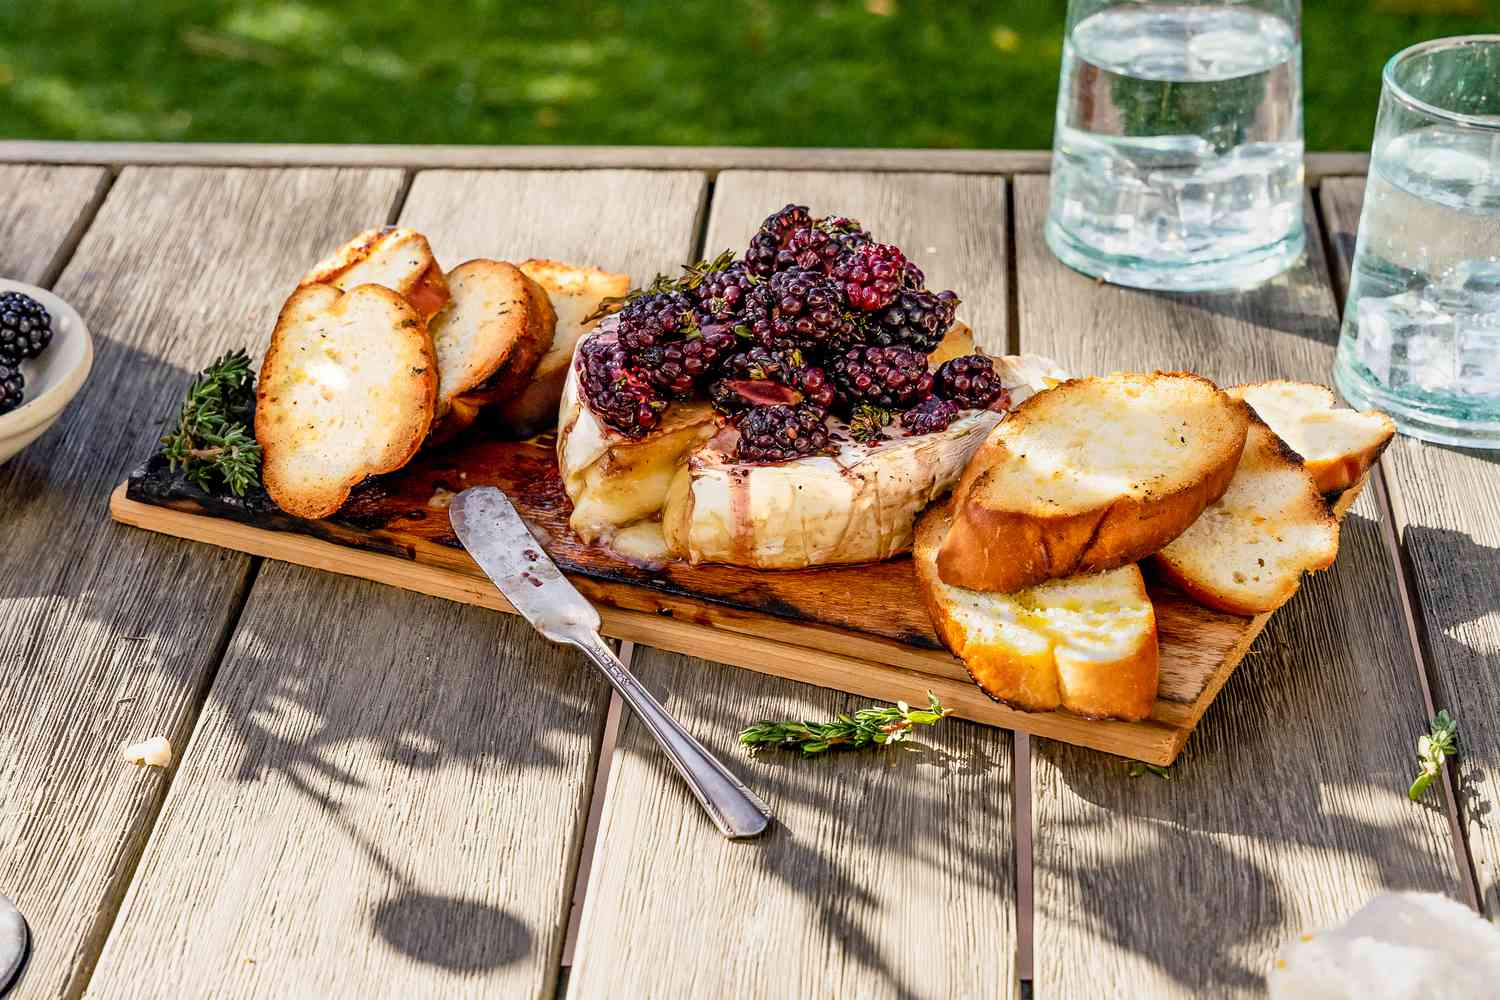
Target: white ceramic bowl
{"points": [[53, 379]]}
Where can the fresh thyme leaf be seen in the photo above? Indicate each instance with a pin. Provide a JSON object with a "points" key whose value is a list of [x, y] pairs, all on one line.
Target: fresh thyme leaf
{"points": [[874, 726], [1140, 767], [1433, 749], [867, 422], [212, 442], [614, 303], [695, 274]]}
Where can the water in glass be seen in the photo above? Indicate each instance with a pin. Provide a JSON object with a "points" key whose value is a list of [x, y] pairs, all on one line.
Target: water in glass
{"points": [[1421, 336], [1178, 152]]}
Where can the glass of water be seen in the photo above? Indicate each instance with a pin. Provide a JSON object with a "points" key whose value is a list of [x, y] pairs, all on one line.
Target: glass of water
{"points": [[1177, 156], [1421, 334]]}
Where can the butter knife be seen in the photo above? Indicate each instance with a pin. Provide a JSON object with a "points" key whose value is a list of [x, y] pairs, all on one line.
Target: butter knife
{"points": [[494, 534]]}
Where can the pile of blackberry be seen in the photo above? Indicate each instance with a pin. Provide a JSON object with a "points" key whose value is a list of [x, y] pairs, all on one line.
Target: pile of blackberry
{"points": [[25, 332], [817, 319]]}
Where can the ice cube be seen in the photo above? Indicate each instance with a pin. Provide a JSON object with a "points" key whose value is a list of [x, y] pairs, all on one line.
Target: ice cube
{"points": [[1468, 286], [1391, 328], [1479, 355], [1431, 363]]}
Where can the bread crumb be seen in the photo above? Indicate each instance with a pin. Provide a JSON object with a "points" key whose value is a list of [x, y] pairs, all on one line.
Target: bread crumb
{"points": [[155, 752]]}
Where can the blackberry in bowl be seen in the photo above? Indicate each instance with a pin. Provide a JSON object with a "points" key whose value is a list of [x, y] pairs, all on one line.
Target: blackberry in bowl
{"points": [[45, 356]]}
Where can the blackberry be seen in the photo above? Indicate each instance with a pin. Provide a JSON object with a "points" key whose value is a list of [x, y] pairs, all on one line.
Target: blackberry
{"points": [[621, 395], [11, 384], [889, 377], [25, 327], [655, 319], [849, 233], [723, 295], [970, 381], [916, 318], [676, 366], [812, 249], [788, 367], [929, 416], [780, 432], [871, 275], [801, 308], [767, 242]]}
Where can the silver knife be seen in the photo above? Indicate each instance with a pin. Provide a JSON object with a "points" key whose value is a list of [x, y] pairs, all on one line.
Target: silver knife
{"points": [[502, 545]]}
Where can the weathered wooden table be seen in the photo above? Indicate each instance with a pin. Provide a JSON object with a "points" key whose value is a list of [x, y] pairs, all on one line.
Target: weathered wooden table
{"points": [[379, 794]]}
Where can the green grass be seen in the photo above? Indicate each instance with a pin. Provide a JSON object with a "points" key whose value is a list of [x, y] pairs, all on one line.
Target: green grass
{"points": [[949, 73]]}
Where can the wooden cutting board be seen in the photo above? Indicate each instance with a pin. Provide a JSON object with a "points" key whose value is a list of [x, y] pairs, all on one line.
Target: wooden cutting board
{"points": [[861, 629]]}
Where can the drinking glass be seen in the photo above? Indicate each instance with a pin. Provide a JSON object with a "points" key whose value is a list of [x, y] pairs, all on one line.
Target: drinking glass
{"points": [[1421, 333], [1177, 155]]}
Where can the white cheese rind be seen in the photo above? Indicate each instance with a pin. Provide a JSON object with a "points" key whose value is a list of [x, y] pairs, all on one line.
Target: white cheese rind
{"points": [[858, 505]]}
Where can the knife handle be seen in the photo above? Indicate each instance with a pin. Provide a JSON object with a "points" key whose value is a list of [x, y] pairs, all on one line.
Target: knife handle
{"points": [[735, 810]]}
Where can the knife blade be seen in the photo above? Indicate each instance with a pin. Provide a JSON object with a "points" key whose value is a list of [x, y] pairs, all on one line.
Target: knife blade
{"points": [[498, 539]]}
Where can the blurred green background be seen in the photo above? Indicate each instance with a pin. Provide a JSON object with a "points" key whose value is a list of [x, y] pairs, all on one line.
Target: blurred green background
{"points": [[944, 73]]}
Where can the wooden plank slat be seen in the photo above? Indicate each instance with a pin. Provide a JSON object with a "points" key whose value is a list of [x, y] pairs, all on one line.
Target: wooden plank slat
{"points": [[422, 770], [711, 158], [382, 798], [1288, 809], [106, 635], [1445, 505], [883, 874], [43, 212]]}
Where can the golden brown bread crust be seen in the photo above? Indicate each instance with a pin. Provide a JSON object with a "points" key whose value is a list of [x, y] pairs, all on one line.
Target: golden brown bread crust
{"points": [[512, 376], [276, 429], [1037, 681], [425, 289], [1202, 591], [1008, 550]]}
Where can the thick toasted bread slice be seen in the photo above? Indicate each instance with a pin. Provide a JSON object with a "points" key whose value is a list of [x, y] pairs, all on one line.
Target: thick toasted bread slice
{"points": [[489, 318], [346, 391], [1085, 643], [575, 293], [1090, 475], [398, 259], [1337, 445], [1249, 550], [528, 321]]}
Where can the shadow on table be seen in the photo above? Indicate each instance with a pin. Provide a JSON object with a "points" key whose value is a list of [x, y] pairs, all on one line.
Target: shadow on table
{"points": [[1290, 799], [870, 842]]}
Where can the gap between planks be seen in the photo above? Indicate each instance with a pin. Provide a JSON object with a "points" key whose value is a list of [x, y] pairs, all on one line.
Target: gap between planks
{"points": [[1411, 610], [227, 632]]}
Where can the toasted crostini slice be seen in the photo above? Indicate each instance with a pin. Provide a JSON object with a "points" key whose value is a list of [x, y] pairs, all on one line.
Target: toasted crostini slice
{"points": [[1249, 550], [492, 319], [398, 259], [347, 390], [1085, 643], [1089, 475], [576, 293], [1337, 445]]}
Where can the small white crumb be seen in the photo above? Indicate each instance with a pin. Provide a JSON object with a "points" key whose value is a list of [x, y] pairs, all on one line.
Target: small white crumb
{"points": [[932, 249], [441, 498], [155, 752]]}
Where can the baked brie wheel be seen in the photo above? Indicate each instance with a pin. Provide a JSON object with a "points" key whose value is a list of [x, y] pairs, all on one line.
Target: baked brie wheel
{"points": [[678, 493]]}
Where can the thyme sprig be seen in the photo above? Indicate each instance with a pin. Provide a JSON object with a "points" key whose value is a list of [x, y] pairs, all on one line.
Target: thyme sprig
{"points": [[879, 726], [212, 442], [1433, 749], [869, 421]]}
